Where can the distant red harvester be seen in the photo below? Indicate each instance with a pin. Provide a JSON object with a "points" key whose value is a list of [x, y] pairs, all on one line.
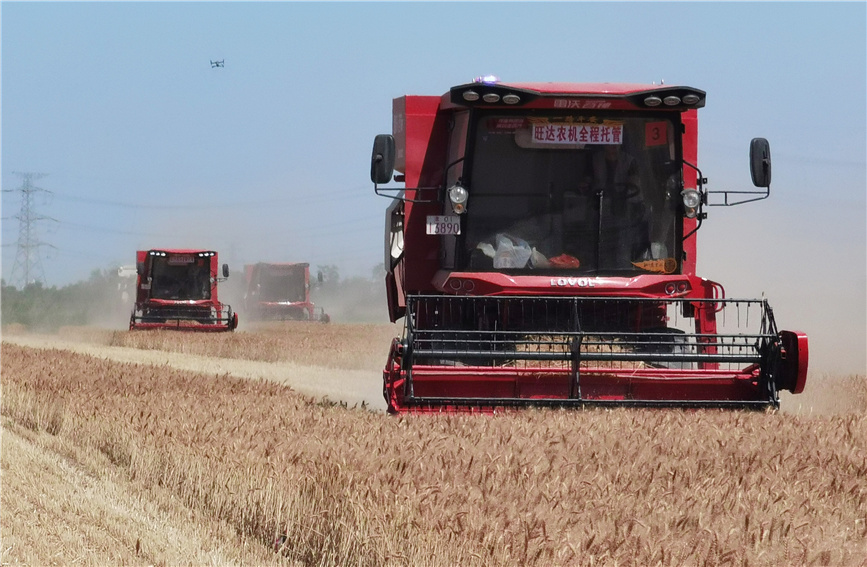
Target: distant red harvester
{"points": [[543, 252], [177, 289], [280, 291]]}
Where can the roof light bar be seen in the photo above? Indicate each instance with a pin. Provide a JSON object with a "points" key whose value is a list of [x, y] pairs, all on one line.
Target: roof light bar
{"points": [[673, 97], [488, 90], [491, 93]]}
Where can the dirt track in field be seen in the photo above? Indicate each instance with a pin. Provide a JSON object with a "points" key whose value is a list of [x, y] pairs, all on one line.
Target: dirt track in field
{"points": [[354, 387]]}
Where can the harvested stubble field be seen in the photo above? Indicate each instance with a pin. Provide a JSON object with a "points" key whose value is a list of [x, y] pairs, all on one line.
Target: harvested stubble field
{"points": [[330, 346], [122, 463]]}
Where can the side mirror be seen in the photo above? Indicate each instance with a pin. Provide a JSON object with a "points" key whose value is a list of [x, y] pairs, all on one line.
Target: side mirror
{"points": [[382, 160], [139, 267], [225, 270], [320, 277], [760, 162]]}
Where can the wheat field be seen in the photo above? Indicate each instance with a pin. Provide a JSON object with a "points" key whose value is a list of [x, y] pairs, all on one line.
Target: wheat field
{"points": [[211, 469]]}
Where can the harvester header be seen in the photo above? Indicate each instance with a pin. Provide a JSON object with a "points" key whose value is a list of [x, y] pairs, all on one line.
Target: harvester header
{"points": [[542, 251]]}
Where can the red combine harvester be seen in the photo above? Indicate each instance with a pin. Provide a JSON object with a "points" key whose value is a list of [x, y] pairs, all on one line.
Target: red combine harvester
{"points": [[280, 292], [177, 289], [543, 252]]}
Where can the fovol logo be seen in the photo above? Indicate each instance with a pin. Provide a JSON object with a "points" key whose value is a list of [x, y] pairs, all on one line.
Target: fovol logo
{"points": [[572, 282]]}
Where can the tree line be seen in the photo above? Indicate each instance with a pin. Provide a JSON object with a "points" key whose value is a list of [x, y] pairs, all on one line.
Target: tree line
{"points": [[43, 308]]}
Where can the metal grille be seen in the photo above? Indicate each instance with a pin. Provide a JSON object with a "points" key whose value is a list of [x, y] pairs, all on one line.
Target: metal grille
{"points": [[220, 314], [600, 332]]}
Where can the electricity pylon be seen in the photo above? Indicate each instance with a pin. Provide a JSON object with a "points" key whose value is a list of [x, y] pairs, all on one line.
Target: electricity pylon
{"points": [[27, 268]]}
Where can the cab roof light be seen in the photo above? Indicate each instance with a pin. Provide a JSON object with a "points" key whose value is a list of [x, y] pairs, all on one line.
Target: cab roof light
{"points": [[653, 101], [671, 100], [511, 98]]}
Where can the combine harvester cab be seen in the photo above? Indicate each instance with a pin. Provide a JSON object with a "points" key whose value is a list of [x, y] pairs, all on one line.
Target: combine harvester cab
{"points": [[542, 251], [177, 289], [280, 291]]}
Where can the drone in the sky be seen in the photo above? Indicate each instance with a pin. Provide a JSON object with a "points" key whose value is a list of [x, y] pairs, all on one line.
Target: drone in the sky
{"points": [[221, 63]]}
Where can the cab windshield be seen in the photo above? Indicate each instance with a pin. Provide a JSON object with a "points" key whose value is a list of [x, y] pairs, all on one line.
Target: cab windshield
{"points": [[181, 277], [283, 283], [585, 192]]}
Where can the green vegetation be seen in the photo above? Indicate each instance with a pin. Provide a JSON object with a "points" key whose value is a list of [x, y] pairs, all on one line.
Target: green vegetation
{"points": [[98, 300]]}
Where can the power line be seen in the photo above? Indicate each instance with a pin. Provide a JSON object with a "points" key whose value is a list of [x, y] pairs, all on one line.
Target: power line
{"points": [[72, 225], [309, 199], [28, 263]]}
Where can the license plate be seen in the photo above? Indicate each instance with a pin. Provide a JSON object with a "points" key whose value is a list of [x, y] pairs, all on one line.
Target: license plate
{"points": [[443, 224]]}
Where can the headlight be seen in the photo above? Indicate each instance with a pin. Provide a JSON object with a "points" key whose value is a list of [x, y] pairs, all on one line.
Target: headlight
{"points": [[691, 201], [458, 196]]}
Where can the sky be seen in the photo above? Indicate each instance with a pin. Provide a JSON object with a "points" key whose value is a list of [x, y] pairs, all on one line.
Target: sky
{"points": [[114, 110]]}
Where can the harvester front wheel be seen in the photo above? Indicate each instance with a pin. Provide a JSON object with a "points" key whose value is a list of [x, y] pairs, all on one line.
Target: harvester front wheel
{"points": [[668, 340]]}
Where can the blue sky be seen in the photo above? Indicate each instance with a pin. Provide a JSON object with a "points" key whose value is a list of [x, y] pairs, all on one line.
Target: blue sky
{"points": [[143, 144]]}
